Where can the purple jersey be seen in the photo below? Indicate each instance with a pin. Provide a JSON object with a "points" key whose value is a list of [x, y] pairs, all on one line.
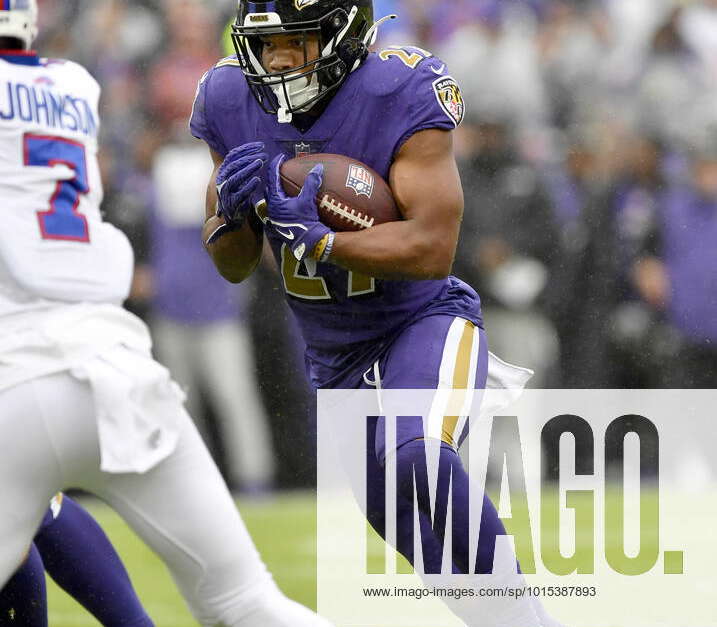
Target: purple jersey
{"points": [[347, 320]]}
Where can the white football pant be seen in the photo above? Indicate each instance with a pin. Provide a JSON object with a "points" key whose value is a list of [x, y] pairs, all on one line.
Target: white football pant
{"points": [[180, 507]]}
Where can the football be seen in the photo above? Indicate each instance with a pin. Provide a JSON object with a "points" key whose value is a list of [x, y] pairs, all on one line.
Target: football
{"points": [[353, 197]]}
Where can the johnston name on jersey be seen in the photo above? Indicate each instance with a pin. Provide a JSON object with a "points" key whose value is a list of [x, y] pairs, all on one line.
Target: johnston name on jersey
{"points": [[346, 319], [58, 261]]}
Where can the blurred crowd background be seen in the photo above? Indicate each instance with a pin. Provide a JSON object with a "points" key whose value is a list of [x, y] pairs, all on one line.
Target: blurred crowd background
{"points": [[589, 162]]}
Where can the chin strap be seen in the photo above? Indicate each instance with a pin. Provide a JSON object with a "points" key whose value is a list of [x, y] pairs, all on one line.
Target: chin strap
{"points": [[371, 35]]}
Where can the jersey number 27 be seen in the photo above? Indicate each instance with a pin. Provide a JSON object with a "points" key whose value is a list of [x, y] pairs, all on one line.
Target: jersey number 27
{"points": [[61, 221]]}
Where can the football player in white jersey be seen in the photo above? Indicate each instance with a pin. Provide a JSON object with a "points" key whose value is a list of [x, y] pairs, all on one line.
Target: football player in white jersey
{"points": [[82, 402]]}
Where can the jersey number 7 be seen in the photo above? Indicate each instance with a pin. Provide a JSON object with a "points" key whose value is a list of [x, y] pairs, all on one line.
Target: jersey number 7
{"points": [[61, 221]]}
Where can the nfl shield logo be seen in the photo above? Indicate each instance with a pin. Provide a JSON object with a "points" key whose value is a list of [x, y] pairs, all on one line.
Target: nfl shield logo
{"points": [[360, 180], [302, 149]]}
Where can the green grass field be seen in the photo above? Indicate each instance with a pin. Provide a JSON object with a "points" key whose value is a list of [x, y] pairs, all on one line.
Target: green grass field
{"points": [[284, 529]]}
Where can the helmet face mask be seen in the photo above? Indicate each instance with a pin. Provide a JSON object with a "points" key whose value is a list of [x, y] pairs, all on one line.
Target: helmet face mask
{"points": [[339, 26], [19, 21]]}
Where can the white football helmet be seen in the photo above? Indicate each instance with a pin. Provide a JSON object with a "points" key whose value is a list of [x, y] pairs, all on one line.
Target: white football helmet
{"points": [[18, 19]]}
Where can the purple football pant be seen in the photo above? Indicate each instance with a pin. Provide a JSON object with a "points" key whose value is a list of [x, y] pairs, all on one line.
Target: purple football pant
{"points": [[82, 561], [439, 352]]}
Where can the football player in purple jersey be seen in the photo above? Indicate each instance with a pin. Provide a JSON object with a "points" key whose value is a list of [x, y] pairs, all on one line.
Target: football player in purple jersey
{"points": [[378, 307]]}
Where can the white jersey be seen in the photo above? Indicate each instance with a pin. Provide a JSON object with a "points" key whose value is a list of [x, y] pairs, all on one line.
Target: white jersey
{"points": [[60, 264], [53, 244]]}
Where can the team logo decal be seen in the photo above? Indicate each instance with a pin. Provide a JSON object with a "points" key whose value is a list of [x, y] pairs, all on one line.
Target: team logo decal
{"points": [[450, 98], [302, 4], [360, 180]]}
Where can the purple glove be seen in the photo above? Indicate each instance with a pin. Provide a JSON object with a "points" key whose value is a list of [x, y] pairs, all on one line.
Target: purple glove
{"points": [[296, 220], [238, 179]]}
